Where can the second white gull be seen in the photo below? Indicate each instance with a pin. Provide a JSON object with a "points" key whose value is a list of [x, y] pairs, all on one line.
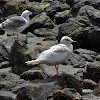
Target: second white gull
{"points": [[56, 55]]}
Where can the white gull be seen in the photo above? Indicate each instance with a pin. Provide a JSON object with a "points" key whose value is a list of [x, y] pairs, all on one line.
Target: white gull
{"points": [[56, 55], [16, 24]]}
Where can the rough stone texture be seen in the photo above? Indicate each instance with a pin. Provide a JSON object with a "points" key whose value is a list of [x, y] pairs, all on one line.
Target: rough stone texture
{"points": [[18, 56], [56, 6], [73, 27], [97, 90], [4, 54], [40, 89], [46, 1], [3, 73], [96, 74], [9, 40], [92, 71], [86, 36], [32, 75], [88, 84], [1, 31], [66, 94], [40, 21], [7, 95], [46, 32], [81, 3], [79, 19], [90, 12], [61, 17], [15, 7], [43, 43], [81, 57], [4, 64]]}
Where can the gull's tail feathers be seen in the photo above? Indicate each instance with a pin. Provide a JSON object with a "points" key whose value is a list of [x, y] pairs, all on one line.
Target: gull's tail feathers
{"points": [[33, 62]]}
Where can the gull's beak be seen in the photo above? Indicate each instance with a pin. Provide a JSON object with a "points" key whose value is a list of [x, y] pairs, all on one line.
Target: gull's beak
{"points": [[31, 13], [74, 42]]}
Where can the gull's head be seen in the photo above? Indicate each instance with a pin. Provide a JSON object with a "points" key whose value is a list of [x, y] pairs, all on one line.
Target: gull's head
{"points": [[66, 40], [26, 13]]}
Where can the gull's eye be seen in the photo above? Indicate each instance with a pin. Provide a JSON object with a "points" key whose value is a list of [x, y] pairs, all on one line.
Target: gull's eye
{"points": [[67, 40]]}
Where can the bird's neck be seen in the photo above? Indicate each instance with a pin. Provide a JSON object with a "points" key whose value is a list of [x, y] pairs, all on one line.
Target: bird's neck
{"points": [[70, 46], [25, 16]]}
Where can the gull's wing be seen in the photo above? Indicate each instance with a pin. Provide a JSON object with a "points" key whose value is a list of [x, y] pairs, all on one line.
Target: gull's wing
{"points": [[13, 22], [60, 48]]}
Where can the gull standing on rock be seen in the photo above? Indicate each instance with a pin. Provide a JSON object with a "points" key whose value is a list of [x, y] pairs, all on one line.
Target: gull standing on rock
{"points": [[56, 55], [16, 24]]}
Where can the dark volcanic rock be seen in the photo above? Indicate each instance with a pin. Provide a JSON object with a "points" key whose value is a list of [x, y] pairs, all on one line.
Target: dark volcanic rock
{"points": [[97, 90], [89, 84], [4, 64], [61, 17], [40, 21], [7, 95], [32, 75], [56, 6], [78, 5], [73, 27], [46, 32], [88, 38], [40, 89], [80, 30], [80, 57], [91, 12], [66, 94], [4, 54], [92, 71], [18, 56], [2, 32]]}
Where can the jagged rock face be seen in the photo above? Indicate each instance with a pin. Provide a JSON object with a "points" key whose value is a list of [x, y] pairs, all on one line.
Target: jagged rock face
{"points": [[9, 7], [18, 56], [51, 20], [4, 54], [86, 36], [56, 6]]}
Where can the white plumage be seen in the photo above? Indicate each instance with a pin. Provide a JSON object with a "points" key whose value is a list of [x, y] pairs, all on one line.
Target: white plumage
{"points": [[56, 55]]}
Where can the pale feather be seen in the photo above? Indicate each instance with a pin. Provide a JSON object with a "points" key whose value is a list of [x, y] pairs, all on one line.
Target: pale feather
{"points": [[55, 55], [33, 62]]}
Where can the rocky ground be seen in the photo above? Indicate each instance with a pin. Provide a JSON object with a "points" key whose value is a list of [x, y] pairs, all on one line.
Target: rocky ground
{"points": [[51, 19]]}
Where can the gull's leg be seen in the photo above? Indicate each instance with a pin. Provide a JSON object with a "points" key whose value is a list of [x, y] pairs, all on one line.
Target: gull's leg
{"points": [[14, 35], [18, 40], [17, 37], [58, 74]]}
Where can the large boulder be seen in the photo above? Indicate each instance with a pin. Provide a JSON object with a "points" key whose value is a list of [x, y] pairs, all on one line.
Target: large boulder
{"points": [[39, 21], [7, 95], [41, 89], [56, 6], [80, 3], [66, 94], [62, 16], [73, 26], [89, 11], [81, 30], [18, 56], [9, 7], [92, 71], [88, 38], [80, 57]]}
